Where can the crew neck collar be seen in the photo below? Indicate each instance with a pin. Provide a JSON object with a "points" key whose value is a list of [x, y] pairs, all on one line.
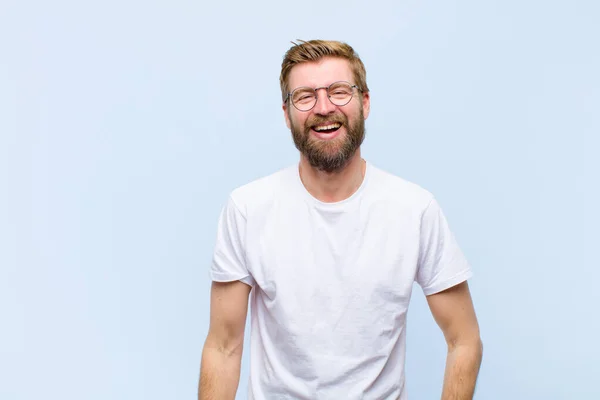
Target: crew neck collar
{"points": [[338, 205]]}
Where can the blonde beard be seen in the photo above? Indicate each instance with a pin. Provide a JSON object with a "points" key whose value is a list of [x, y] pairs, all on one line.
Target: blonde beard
{"points": [[332, 155]]}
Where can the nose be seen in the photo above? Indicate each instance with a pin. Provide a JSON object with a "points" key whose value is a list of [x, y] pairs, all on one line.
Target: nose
{"points": [[323, 106]]}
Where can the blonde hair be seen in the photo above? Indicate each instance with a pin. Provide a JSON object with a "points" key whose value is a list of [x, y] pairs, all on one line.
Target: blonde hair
{"points": [[314, 50]]}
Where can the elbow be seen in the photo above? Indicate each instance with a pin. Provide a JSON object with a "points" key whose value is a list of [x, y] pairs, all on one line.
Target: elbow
{"points": [[478, 347], [231, 349], [227, 346], [473, 343]]}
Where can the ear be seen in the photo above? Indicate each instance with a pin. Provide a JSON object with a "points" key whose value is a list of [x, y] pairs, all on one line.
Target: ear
{"points": [[366, 104], [286, 115]]}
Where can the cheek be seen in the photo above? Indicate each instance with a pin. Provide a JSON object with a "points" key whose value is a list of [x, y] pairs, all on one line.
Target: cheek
{"points": [[296, 120], [360, 112]]}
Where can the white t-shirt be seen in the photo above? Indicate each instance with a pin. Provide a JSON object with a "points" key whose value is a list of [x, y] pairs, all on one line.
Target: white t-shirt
{"points": [[332, 281]]}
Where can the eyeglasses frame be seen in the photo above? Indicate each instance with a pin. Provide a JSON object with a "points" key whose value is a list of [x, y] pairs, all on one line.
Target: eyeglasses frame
{"points": [[289, 95]]}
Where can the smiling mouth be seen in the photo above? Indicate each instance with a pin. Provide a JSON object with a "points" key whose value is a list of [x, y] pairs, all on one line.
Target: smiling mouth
{"points": [[330, 128]]}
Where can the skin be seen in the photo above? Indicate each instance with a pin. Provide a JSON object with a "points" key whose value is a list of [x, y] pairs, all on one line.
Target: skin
{"points": [[337, 185], [454, 313], [222, 352], [452, 309]]}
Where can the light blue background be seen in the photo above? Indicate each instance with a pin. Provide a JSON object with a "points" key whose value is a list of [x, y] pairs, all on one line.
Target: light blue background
{"points": [[125, 124]]}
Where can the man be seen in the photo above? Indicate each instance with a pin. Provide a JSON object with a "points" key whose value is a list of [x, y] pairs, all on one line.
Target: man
{"points": [[329, 249]]}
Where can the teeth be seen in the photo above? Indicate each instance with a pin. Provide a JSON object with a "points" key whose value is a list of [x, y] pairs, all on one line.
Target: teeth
{"points": [[327, 127]]}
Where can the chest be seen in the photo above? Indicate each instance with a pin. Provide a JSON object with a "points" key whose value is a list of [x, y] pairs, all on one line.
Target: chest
{"points": [[367, 255]]}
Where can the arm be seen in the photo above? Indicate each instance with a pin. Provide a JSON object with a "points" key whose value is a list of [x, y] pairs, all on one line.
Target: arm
{"points": [[453, 311], [222, 353]]}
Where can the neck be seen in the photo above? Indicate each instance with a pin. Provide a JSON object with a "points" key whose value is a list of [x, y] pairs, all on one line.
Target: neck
{"points": [[335, 186]]}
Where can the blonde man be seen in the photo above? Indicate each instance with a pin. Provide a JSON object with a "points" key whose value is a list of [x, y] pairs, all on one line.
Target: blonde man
{"points": [[327, 251]]}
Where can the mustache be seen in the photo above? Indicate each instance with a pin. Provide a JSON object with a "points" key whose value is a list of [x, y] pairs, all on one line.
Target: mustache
{"points": [[318, 120]]}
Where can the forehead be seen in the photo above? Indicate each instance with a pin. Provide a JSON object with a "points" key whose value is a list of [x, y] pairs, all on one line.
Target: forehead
{"points": [[320, 73]]}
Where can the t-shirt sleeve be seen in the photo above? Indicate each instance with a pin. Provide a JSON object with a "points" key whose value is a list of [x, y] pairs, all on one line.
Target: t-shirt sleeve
{"points": [[229, 260], [441, 264]]}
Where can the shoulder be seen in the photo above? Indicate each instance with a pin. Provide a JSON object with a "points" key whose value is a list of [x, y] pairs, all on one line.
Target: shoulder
{"points": [[388, 187], [261, 192]]}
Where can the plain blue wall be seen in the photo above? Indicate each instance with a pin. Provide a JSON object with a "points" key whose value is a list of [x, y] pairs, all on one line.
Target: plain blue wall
{"points": [[125, 124]]}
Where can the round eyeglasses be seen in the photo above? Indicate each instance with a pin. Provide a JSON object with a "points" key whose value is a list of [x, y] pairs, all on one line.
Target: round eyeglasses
{"points": [[339, 93]]}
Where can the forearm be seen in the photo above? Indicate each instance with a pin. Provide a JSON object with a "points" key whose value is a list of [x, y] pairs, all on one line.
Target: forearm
{"points": [[219, 374], [462, 367]]}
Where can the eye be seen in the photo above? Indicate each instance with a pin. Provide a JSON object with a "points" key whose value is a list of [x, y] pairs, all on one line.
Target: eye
{"points": [[303, 96], [340, 90]]}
